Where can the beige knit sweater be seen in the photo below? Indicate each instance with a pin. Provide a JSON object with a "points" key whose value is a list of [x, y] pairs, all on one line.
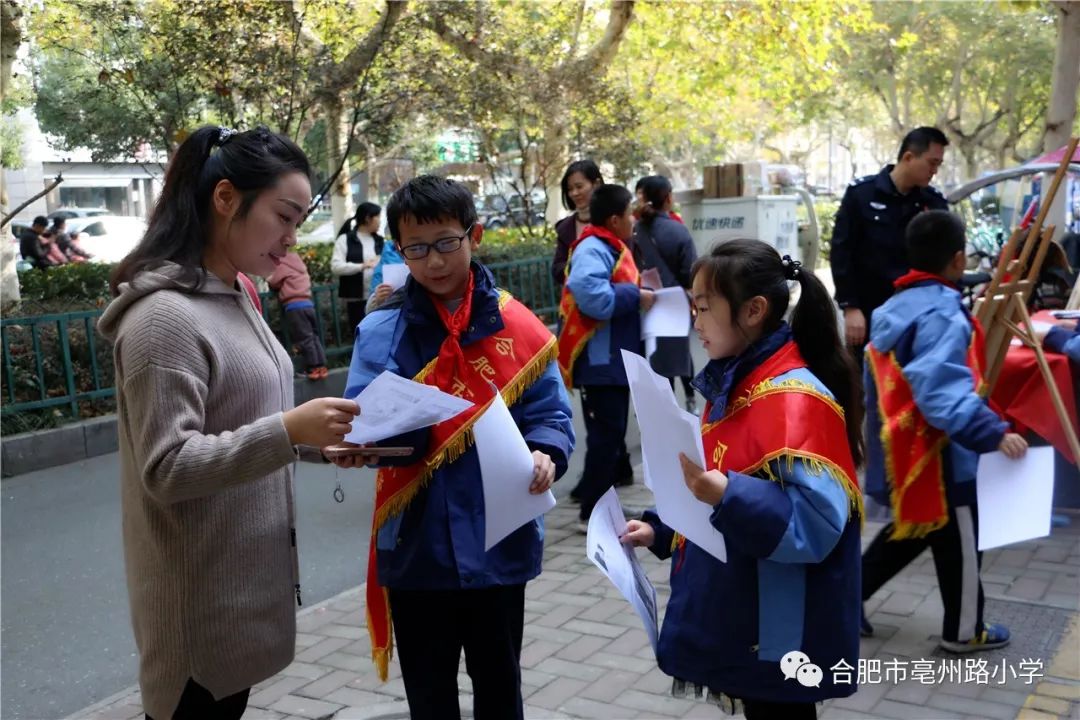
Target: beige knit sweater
{"points": [[206, 488]]}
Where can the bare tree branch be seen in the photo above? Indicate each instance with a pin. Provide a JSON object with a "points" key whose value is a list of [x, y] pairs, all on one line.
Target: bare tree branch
{"points": [[7, 218]]}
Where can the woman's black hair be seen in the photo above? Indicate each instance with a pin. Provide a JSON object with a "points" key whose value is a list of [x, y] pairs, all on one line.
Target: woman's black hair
{"points": [[739, 270], [657, 190], [179, 225], [589, 169], [364, 212]]}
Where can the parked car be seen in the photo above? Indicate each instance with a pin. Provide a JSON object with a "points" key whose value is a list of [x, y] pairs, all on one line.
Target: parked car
{"points": [[499, 211], [107, 237], [76, 212]]}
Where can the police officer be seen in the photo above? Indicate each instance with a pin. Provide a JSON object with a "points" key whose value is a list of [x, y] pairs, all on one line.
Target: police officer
{"points": [[868, 241]]}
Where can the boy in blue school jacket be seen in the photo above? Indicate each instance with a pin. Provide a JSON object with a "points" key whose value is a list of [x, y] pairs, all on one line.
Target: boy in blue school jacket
{"points": [[600, 315], [925, 344], [445, 593]]}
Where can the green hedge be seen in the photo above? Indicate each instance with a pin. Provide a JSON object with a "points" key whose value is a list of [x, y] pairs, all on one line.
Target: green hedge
{"points": [[86, 285]]}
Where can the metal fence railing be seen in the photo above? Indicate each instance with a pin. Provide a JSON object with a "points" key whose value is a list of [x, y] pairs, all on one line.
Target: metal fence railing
{"points": [[58, 362]]}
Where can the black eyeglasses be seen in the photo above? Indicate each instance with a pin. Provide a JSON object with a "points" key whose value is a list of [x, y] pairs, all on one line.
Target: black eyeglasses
{"points": [[444, 246]]}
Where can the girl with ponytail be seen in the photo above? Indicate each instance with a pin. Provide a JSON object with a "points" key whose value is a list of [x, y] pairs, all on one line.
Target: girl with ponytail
{"points": [[207, 429], [782, 439]]}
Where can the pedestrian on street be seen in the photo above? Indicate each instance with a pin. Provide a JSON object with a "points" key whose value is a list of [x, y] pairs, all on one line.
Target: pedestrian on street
{"points": [[292, 283], [208, 431], [665, 244], [868, 252], [31, 247], [782, 439], [67, 244], [357, 251], [578, 183]]}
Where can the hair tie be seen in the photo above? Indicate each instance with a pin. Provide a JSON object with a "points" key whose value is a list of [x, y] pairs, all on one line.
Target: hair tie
{"points": [[791, 267], [224, 134]]}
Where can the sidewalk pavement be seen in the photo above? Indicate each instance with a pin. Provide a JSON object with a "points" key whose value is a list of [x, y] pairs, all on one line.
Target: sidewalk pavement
{"points": [[586, 656]]}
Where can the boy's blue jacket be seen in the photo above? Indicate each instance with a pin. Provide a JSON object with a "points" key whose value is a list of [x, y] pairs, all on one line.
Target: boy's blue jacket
{"points": [[792, 580], [437, 542], [591, 265], [929, 330]]}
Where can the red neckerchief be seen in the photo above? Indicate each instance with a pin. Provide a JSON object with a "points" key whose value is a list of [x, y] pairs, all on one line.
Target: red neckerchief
{"points": [[918, 276], [451, 360]]}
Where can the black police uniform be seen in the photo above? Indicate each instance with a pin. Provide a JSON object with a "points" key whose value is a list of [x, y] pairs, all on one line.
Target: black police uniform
{"points": [[868, 251]]}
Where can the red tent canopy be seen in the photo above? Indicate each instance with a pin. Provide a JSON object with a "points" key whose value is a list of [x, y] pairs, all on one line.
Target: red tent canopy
{"points": [[1055, 156]]}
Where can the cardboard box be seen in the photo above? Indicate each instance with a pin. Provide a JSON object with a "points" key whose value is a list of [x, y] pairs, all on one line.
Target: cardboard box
{"points": [[711, 182]]}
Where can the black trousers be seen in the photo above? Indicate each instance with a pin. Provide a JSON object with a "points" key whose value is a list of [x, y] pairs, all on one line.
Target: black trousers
{"points": [[431, 627], [304, 333], [956, 561], [355, 309], [762, 710], [198, 704], [605, 408]]}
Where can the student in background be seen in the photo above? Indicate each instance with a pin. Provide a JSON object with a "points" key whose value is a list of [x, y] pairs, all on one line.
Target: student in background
{"points": [[928, 423], [600, 314], [381, 291]]}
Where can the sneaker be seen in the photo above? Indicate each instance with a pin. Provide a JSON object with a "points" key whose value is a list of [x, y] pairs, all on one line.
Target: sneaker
{"points": [[865, 628], [691, 405], [319, 373], [993, 636], [582, 526]]}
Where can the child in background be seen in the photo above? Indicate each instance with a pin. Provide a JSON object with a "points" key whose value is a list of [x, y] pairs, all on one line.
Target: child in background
{"points": [[600, 313], [428, 571], [927, 426], [293, 285], [782, 438], [380, 291]]}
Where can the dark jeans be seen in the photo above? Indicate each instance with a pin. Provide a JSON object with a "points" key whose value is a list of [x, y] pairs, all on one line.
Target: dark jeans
{"points": [[956, 561], [304, 333], [762, 710], [605, 408], [198, 704], [431, 627]]}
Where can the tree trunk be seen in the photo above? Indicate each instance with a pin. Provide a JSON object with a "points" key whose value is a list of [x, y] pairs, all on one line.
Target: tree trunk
{"points": [[341, 206], [554, 159], [10, 38], [1062, 109]]}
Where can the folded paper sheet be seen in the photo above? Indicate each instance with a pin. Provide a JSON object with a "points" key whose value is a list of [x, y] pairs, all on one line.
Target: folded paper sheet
{"points": [[506, 470], [666, 431]]}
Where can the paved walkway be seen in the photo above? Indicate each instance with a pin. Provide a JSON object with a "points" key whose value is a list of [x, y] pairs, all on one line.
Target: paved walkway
{"points": [[586, 656]]}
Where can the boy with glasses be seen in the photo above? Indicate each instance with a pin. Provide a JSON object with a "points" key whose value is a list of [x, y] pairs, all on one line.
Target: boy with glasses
{"points": [[450, 327]]}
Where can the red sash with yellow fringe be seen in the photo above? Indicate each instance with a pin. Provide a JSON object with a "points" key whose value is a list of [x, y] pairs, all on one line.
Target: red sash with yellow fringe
{"points": [[911, 446], [513, 359], [766, 420], [577, 328]]}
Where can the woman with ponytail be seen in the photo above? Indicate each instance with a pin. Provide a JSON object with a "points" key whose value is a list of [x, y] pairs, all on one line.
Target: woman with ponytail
{"points": [[781, 432], [208, 432]]}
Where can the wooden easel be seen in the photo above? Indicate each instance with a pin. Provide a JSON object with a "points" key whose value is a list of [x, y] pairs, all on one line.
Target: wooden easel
{"points": [[1003, 309]]}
